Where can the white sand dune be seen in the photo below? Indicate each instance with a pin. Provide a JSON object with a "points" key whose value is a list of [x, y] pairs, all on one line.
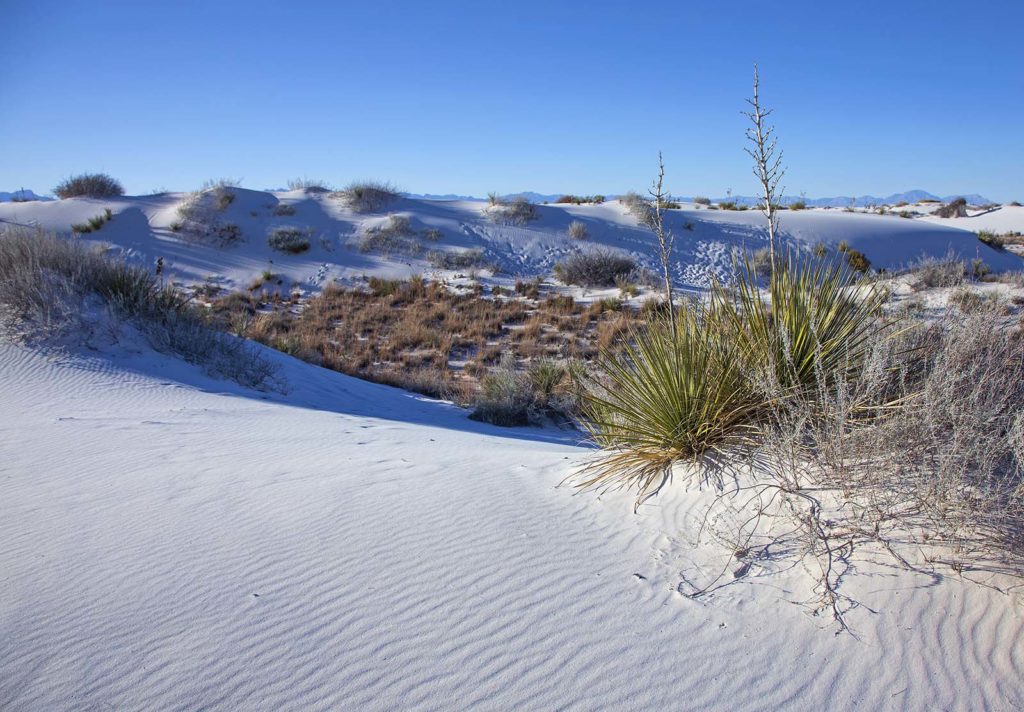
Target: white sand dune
{"points": [[705, 239], [176, 542]]}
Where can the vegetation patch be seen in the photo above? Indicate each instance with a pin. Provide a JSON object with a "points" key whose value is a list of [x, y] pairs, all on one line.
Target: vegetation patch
{"points": [[89, 185]]}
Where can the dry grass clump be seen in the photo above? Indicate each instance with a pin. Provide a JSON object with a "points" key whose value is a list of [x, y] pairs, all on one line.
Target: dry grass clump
{"points": [[47, 283], [578, 230], [953, 209], [200, 215], [514, 211], [936, 272], [94, 223], [367, 196], [284, 209], [289, 239], [309, 185], [89, 185], [639, 207], [595, 268], [394, 237], [460, 259]]}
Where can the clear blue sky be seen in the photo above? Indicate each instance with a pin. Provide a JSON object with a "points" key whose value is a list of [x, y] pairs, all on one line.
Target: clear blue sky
{"points": [[468, 97]]}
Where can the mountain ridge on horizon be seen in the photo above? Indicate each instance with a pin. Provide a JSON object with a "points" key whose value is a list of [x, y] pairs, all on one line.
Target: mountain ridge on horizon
{"points": [[910, 196]]}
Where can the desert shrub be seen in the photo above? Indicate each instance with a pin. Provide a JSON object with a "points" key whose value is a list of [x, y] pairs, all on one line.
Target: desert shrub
{"points": [[936, 272], [506, 396], [283, 209], [432, 234], [701, 200], [89, 185], [627, 288], [288, 239], [310, 185], [857, 260], [463, 259], [395, 236], [367, 196], [594, 268], [200, 217], [761, 260], [639, 207], [953, 209], [728, 205], [996, 242], [798, 205], [578, 230], [517, 211], [46, 279], [579, 199]]}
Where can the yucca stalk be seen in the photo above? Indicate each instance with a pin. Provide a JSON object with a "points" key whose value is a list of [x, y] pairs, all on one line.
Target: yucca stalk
{"points": [[815, 326], [661, 400]]}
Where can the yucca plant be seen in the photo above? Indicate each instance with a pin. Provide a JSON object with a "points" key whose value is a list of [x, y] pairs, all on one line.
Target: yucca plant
{"points": [[814, 327], [660, 400]]}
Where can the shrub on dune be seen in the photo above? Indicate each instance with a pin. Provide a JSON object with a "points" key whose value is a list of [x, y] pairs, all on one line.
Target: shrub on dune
{"points": [[578, 230], [367, 196], [594, 268], [288, 239], [89, 185]]}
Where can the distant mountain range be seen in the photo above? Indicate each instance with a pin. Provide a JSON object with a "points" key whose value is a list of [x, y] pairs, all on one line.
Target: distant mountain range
{"points": [[22, 195], [842, 201], [910, 196]]}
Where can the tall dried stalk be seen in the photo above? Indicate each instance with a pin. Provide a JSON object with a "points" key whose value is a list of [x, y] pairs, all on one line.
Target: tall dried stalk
{"points": [[767, 161]]}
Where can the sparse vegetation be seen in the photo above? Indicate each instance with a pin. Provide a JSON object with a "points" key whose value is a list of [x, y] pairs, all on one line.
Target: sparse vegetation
{"points": [[367, 196], [200, 218], [594, 268], [701, 200], [283, 209], [517, 211], [288, 239], [89, 185], [953, 209], [580, 199], [94, 223], [310, 185], [461, 259], [938, 272], [46, 282], [394, 237], [578, 230]]}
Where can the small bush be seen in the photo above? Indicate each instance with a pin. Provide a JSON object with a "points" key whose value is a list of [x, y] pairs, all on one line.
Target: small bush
{"points": [[395, 236], [954, 209], [310, 185], [506, 396], [701, 200], [517, 211], [798, 205], [639, 207], [432, 234], [858, 261], [367, 196], [464, 259], [932, 272], [283, 209], [595, 268], [578, 230], [200, 215], [288, 239], [996, 242], [89, 185]]}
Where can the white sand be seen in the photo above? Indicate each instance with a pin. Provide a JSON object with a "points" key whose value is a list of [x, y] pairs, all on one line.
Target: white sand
{"points": [[176, 542], [140, 231]]}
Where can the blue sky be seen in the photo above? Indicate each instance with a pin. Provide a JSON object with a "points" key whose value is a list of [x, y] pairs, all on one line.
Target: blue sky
{"points": [[468, 97]]}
